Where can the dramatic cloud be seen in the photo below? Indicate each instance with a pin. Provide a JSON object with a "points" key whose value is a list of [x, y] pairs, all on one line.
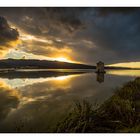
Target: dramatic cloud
{"points": [[85, 34], [8, 36]]}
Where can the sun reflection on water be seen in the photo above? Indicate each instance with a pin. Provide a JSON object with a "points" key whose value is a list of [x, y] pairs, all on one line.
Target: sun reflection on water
{"points": [[17, 83], [135, 73], [63, 78]]}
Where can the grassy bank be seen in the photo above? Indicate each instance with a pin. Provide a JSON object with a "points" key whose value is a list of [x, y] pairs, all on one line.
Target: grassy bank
{"points": [[120, 113]]}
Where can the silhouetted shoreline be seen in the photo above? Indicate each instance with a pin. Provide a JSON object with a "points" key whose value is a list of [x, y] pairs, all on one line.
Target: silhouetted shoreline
{"points": [[12, 64]]}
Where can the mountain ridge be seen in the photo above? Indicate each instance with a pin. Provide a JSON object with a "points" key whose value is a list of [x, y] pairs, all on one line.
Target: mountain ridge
{"points": [[48, 64], [41, 64]]}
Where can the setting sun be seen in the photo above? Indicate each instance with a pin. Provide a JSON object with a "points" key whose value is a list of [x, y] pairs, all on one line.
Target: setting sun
{"points": [[62, 59]]}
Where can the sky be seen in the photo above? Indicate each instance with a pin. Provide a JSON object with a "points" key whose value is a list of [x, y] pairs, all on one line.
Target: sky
{"points": [[84, 35]]}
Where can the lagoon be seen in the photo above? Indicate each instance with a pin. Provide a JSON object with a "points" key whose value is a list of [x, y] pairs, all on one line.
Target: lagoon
{"points": [[36, 103]]}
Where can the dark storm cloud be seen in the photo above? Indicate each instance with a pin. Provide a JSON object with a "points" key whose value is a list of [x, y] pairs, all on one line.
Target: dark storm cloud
{"points": [[105, 11], [115, 35], [40, 21], [7, 35], [108, 34], [69, 18]]}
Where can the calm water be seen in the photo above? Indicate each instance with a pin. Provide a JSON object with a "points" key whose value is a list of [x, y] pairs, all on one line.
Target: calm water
{"points": [[35, 102]]}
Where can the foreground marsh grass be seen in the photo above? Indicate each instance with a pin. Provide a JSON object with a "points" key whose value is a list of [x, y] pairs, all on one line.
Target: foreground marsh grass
{"points": [[120, 113]]}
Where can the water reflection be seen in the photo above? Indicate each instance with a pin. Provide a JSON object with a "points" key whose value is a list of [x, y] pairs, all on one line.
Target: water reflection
{"points": [[37, 74], [9, 99], [37, 103], [128, 73], [132, 73], [100, 77], [22, 78]]}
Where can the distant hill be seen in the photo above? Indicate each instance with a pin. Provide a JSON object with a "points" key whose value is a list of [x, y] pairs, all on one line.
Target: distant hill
{"points": [[40, 64], [46, 64]]}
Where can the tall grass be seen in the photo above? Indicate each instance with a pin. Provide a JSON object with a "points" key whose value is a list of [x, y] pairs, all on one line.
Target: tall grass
{"points": [[120, 113], [78, 120]]}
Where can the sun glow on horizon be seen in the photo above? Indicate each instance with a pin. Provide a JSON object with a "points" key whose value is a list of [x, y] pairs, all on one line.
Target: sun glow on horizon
{"points": [[19, 54], [62, 59], [127, 64]]}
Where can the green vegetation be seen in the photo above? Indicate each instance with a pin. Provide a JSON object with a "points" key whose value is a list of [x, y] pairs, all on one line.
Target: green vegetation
{"points": [[120, 113]]}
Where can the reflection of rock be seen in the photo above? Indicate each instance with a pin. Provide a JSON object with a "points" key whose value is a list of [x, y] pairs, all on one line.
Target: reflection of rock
{"points": [[100, 77], [9, 99]]}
